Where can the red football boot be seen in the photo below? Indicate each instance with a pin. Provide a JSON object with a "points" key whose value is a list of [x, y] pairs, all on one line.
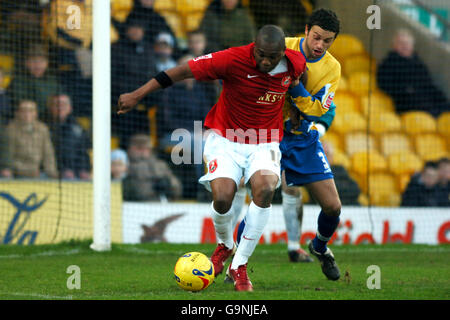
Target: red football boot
{"points": [[220, 255], [240, 278]]}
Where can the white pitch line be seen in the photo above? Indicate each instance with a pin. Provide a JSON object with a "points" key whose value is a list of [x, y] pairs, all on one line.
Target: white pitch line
{"points": [[35, 295], [50, 253]]}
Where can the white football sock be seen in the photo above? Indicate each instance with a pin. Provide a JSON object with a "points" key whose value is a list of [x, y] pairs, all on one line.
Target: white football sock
{"points": [[290, 205], [222, 225], [238, 203], [255, 221]]}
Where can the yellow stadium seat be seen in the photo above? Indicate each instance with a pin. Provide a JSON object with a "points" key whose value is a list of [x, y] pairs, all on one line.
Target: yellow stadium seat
{"points": [[192, 21], [363, 200], [360, 62], [349, 122], [346, 45], [385, 122], [305, 195], [115, 142], [368, 162], [376, 102], [362, 82], [334, 139], [341, 159], [382, 190], [404, 162], [346, 101], [394, 142], [382, 199], [174, 20], [189, 6], [153, 125], [120, 9], [6, 63], [402, 181], [165, 5], [84, 122], [343, 83], [418, 122], [430, 147], [359, 141], [443, 124]]}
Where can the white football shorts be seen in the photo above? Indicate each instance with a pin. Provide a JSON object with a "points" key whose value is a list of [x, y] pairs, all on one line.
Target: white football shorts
{"points": [[227, 159]]}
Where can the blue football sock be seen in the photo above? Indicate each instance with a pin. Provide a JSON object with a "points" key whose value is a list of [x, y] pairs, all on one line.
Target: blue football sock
{"points": [[326, 225], [240, 230]]}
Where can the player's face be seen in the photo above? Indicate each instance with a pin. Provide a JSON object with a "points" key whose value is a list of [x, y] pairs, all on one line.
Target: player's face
{"points": [[317, 41], [267, 57]]}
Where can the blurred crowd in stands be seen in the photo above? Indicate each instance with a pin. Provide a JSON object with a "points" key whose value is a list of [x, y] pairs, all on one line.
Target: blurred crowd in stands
{"points": [[46, 91]]}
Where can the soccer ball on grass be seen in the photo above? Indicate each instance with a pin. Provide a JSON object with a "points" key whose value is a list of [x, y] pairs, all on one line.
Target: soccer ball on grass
{"points": [[194, 271]]}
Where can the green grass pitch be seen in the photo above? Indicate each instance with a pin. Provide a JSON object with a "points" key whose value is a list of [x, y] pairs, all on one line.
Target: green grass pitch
{"points": [[145, 271]]}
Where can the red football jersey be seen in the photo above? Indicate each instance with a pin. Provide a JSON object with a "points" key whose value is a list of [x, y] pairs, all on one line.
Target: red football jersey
{"points": [[249, 109]]}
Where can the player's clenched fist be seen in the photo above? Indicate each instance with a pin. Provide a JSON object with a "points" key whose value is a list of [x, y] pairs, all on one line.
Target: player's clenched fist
{"points": [[126, 102]]}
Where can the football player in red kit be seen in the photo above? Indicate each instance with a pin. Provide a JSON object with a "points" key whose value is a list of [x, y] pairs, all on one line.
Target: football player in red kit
{"points": [[246, 127]]}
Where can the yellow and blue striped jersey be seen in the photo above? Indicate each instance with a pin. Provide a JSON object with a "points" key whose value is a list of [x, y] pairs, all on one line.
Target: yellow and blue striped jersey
{"points": [[323, 74]]}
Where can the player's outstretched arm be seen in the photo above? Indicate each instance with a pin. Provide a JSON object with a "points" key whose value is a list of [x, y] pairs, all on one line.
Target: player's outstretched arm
{"points": [[127, 101]]}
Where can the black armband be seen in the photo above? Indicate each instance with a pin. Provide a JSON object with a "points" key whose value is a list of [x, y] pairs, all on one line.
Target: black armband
{"points": [[163, 79]]}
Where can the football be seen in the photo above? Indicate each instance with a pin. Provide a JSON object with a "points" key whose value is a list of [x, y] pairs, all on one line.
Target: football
{"points": [[194, 271]]}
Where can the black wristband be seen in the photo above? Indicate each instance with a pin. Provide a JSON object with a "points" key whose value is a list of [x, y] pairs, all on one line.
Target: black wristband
{"points": [[163, 79]]}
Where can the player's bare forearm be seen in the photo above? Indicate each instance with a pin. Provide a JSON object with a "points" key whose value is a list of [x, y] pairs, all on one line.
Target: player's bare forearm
{"points": [[127, 101]]}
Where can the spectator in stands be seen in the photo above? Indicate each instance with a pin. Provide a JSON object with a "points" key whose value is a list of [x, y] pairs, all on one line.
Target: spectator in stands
{"points": [[70, 141], [36, 83], [149, 178], [197, 43], [30, 144], [227, 24], [404, 76], [20, 27], [153, 22], [163, 48], [5, 157], [444, 182], [70, 49], [288, 14], [6, 112], [347, 188], [422, 189], [119, 164], [181, 105], [133, 63]]}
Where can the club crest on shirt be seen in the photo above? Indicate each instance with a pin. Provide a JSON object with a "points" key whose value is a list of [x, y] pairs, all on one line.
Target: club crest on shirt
{"points": [[212, 166], [286, 81], [328, 101]]}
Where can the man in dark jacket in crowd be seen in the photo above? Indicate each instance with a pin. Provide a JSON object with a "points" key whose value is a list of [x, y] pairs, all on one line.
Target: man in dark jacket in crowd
{"points": [[404, 77], [133, 63], [71, 142], [422, 190]]}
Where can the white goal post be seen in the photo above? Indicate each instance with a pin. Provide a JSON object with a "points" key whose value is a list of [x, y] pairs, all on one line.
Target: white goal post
{"points": [[101, 77]]}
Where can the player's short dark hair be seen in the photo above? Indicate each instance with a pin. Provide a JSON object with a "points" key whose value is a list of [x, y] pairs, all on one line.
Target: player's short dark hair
{"points": [[271, 34], [324, 18]]}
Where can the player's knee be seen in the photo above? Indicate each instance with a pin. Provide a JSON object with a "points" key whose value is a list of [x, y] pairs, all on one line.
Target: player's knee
{"points": [[333, 208], [264, 194], [223, 202], [292, 191]]}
